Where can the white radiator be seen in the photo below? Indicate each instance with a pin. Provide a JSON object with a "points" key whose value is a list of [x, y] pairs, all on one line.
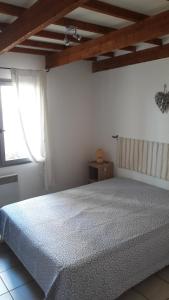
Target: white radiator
{"points": [[9, 189]]}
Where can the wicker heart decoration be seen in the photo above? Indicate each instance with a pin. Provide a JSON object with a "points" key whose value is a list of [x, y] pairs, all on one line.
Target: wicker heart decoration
{"points": [[162, 100]]}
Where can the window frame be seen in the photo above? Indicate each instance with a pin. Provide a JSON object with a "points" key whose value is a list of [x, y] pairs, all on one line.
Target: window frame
{"points": [[3, 162]]}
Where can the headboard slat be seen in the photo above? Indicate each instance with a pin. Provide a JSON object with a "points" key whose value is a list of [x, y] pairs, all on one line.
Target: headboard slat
{"points": [[150, 158]]}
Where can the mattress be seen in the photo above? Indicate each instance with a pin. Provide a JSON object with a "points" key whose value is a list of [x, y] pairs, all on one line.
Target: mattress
{"points": [[92, 242]]}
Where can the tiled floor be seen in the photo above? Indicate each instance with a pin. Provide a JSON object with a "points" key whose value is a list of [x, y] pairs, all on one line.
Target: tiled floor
{"points": [[17, 284]]}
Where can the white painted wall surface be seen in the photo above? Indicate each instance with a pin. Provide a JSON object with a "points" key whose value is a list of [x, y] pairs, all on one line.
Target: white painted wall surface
{"points": [[71, 122], [125, 105]]}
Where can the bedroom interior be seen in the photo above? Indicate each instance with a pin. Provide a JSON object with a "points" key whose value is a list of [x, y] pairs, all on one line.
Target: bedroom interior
{"points": [[84, 150]]}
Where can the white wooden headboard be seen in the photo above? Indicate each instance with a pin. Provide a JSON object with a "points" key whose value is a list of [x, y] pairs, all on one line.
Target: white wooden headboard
{"points": [[149, 158]]}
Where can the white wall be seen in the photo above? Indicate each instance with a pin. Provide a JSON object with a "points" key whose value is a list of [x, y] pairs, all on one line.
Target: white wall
{"points": [[71, 122], [30, 175], [125, 105], [85, 109]]}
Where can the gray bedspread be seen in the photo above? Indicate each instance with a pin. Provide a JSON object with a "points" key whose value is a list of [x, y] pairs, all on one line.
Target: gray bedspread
{"points": [[92, 242]]}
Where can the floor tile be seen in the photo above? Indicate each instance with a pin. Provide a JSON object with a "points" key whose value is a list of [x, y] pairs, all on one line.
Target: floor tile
{"points": [[6, 297], [7, 258], [15, 277], [3, 288], [164, 274], [153, 288], [28, 292], [131, 295]]}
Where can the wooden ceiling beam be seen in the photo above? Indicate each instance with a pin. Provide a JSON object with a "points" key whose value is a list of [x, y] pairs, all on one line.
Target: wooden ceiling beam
{"points": [[147, 29], [58, 36], [90, 27], [10, 9], [3, 25], [45, 45], [132, 58], [30, 51], [113, 11], [34, 19]]}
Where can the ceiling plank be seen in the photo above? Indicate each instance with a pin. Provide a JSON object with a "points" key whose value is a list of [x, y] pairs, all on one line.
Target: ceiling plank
{"points": [[45, 45], [57, 36], [147, 29], [10, 9], [34, 19], [132, 58], [30, 51], [114, 11]]}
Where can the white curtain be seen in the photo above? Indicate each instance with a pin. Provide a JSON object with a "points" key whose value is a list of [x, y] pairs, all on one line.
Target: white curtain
{"points": [[32, 106]]}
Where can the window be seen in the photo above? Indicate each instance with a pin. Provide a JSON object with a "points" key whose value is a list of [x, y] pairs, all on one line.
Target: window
{"points": [[13, 149]]}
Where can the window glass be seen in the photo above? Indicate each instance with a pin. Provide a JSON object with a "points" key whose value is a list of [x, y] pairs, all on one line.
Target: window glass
{"points": [[14, 144]]}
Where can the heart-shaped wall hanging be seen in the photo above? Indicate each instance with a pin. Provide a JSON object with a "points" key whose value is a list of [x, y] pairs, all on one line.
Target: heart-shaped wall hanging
{"points": [[162, 100]]}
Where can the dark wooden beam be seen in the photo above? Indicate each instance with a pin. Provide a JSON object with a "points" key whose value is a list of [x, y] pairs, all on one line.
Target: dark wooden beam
{"points": [[10, 9], [147, 29], [132, 58], [45, 45], [114, 11], [90, 27], [30, 51], [3, 25], [34, 19], [58, 36]]}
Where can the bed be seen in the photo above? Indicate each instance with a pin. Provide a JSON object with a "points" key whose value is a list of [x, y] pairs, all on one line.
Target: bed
{"points": [[92, 242]]}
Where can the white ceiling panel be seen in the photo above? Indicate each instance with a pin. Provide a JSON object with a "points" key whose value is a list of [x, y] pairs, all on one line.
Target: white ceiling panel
{"points": [[148, 7], [37, 48], [7, 18], [24, 3], [97, 18], [47, 40]]}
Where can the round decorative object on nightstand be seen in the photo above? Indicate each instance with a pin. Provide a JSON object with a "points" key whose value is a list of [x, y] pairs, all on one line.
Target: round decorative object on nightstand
{"points": [[100, 156]]}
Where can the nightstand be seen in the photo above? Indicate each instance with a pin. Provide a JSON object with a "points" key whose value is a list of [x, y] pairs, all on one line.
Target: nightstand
{"points": [[98, 172]]}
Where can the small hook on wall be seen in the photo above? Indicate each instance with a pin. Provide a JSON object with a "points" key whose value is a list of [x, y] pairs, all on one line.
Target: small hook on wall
{"points": [[115, 137]]}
